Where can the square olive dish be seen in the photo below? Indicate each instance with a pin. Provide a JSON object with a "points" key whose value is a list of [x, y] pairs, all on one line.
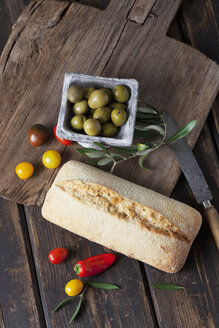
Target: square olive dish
{"points": [[124, 137]]}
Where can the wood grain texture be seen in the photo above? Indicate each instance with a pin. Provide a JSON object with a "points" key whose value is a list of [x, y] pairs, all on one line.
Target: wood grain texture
{"points": [[1, 319], [51, 38], [197, 305], [101, 308], [9, 11], [19, 297], [204, 35], [141, 10]]}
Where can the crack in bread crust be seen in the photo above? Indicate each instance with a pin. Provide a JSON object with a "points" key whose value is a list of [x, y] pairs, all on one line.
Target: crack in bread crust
{"points": [[111, 202]]}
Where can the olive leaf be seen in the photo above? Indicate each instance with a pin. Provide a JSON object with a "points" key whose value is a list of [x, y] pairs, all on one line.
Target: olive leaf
{"points": [[105, 161], [149, 106], [101, 285], [145, 151], [143, 116], [67, 300], [147, 110], [167, 286], [140, 162], [183, 132], [126, 150], [91, 162], [98, 144], [142, 147], [96, 154], [150, 127], [77, 310]]}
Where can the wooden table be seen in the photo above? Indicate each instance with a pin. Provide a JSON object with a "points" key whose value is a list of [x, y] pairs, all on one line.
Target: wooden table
{"points": [[31, 287]]}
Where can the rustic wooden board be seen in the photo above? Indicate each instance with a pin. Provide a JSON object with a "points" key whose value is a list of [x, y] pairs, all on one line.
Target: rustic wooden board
{"points": [[20, 304], [51, 38]]}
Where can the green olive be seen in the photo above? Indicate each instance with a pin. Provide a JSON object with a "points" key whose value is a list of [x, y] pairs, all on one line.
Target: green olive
{"points": [[109, 92], [118, 117], [120, 93], [77, 122], [92, 127], [117, 106], [81, 107], [98, 98], [75, 94], [102, 114], [108, 130], [88, 91]]}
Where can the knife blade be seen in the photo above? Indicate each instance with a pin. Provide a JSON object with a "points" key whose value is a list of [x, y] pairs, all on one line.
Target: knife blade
{"points": [[193, 174]]}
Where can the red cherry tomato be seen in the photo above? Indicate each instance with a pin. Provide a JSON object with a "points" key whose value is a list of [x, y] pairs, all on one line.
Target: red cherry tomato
{"points": [[63, 141], [58, 255]]}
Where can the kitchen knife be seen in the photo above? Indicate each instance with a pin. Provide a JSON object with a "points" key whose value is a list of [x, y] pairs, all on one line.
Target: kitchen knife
{"points": [[193, 174]]}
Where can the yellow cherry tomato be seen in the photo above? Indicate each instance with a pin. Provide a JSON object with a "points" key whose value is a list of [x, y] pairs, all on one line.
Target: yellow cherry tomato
{"points": [[74, 287], [24, 170], [51, 159]]}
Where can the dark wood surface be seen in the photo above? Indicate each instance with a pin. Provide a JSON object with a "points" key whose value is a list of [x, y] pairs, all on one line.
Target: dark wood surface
{"points": [[30, 287], [53, 37]]}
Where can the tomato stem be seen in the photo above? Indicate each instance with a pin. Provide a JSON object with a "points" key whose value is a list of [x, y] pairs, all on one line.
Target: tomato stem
{"points": [[77, 268]]}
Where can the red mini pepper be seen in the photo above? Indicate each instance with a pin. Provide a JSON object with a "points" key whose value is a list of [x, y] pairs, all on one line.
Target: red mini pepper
{"points": [[94, 265]]}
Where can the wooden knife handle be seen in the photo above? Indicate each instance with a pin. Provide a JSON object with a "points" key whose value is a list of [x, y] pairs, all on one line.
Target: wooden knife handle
{"points": [[212, 217]]}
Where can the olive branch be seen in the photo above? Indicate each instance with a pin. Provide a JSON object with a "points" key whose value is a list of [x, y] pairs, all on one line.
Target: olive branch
{"points": [[150, 134]]}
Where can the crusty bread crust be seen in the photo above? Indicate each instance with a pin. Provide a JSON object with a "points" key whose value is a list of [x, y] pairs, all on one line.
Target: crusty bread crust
{"points": [[122, 216]]}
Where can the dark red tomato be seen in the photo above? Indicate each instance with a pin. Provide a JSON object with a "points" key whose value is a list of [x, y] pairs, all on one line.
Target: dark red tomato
{"points": [[63, 141], [58, 255], [38, 135]]}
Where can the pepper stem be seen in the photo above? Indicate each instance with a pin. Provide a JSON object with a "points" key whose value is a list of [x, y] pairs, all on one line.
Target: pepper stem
{"points": [[77, 268]]}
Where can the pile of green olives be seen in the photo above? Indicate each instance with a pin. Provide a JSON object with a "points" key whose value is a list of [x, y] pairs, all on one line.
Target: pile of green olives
{"points": [[98, 111]]}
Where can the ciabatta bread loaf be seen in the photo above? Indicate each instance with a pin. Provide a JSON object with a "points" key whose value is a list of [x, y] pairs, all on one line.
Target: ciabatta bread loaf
{"points": [[120, 215]]}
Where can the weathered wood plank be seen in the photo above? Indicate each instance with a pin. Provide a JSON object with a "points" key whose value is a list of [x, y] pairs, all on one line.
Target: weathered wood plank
{"points": [[19, 296], [57, 38], [101, 4], [204, 35], [9, 12], [140, 10], [127, 307]]}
